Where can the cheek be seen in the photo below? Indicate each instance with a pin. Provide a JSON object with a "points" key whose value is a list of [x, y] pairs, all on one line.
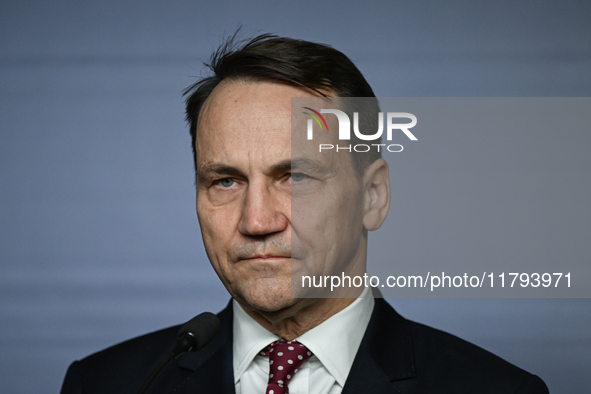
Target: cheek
{"points": [[338, 225], [316, 230], [218, 227], [217, 240]]}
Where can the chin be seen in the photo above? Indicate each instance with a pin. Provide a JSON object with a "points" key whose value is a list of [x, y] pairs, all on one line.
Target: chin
{"points": [[268, 297]]}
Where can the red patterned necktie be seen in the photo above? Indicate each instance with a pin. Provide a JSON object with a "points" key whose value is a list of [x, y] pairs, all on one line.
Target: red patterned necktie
{"points": [[285, 358]]}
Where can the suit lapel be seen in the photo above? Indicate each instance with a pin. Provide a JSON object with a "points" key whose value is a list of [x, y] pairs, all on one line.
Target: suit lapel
{"points": [[385, 354]]}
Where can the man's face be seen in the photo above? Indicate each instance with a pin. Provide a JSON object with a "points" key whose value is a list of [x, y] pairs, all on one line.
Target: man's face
{"points": [[260, 209]]}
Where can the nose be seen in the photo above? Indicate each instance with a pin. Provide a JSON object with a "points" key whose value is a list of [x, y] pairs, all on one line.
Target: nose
{"points": [[265, 211]]}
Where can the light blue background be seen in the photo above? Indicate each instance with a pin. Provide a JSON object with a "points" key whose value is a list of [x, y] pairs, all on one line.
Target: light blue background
{"points": [[98, 237]]}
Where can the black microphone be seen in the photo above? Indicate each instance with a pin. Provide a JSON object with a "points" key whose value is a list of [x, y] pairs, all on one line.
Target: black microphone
{"points": [[193, 335]]}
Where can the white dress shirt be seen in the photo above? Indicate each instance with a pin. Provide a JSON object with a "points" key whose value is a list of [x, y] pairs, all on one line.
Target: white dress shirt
{"points": [[334, 343]]}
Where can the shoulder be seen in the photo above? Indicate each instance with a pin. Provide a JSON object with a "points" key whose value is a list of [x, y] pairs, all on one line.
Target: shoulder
{"points": [[122, 367], [440, 359], [147, 346], [452, 360]]}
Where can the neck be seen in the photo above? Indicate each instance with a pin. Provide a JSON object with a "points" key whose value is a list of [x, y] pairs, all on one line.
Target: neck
{"points": [[293, 321]]}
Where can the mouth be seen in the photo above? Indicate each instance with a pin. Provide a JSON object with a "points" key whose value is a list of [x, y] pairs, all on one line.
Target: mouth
{"points": [[265, 258], [274, 251]]}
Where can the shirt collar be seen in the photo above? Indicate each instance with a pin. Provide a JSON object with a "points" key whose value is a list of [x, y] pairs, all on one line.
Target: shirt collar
{"points": [[335, 352], [249, 338]]}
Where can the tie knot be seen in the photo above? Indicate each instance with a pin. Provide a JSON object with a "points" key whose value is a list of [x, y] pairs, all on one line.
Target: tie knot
{"points": [[285, 358]]}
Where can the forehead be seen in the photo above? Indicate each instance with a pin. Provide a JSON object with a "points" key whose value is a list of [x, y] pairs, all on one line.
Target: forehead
{"points": [[247, 126], [246, 102], [240, 121], [245, 120]]}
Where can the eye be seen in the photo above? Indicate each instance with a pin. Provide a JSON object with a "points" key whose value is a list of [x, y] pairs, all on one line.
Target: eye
{"points": [[226, 182], [297, 177]]}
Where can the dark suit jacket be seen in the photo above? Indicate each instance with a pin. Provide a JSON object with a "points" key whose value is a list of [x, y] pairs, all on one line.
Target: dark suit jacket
{"points": [[395, 356]]}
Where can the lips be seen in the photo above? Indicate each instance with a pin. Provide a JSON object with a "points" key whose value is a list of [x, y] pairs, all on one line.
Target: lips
{"points": [[274, 249], [265, 257]]}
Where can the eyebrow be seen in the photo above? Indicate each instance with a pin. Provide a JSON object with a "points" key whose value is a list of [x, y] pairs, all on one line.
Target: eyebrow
{"points": [[301, 163], [213, 168], [282, 166], [309, 165]]}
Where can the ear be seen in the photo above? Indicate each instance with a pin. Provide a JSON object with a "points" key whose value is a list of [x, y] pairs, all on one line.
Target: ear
{"points": [[377, 194]]}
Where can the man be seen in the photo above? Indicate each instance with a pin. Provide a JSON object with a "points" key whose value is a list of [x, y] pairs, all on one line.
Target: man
{"points": [[271, 210]]}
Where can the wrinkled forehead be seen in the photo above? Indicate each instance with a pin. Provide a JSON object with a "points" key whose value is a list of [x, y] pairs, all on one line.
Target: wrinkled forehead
{"points": [[248, 121], [248, 101], [242, 124], [232, 95]]}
